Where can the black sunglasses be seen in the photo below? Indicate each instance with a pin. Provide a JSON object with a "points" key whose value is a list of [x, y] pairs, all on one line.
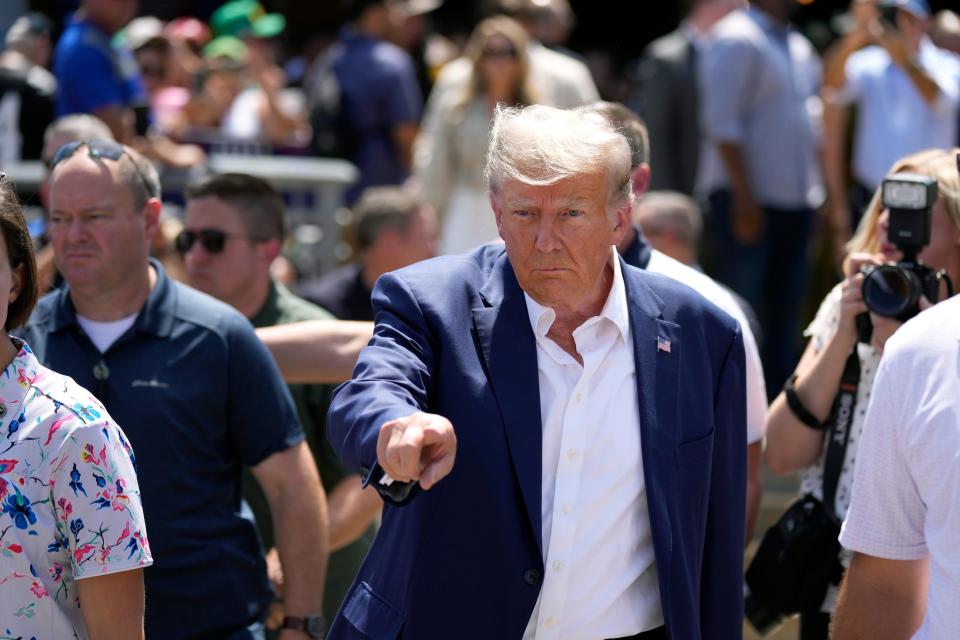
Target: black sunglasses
{"points": [[100, 149], [212, 240]]}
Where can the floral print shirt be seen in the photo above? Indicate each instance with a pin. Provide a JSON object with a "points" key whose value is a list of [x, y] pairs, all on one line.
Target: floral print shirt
{"points": [[69, 500]]}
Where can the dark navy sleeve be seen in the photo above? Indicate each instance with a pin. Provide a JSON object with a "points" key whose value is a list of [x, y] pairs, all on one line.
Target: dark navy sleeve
{"points": [[721, 605], [87, 81], [263, 418], [393, 378], [402, 93]]}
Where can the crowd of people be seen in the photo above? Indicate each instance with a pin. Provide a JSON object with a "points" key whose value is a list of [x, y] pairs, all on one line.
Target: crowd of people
{"points": [[537, 400]]}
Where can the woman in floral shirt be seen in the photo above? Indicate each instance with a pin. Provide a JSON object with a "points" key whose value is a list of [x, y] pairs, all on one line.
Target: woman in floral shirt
{"points": [[73, 543]]}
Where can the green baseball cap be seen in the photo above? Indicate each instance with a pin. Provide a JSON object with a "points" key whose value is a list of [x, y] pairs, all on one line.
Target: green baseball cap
{"points": [[229, 47], [240, 18]]}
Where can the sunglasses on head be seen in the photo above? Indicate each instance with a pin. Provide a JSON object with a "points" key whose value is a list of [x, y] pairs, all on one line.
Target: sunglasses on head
{"points": [[212, 240], [99, 150]]}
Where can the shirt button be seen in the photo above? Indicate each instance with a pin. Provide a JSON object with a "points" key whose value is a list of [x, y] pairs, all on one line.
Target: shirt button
{"points": [[566, 508], [579, 397], [531, 577], [549, 622], [558, 565], [572, 453]]}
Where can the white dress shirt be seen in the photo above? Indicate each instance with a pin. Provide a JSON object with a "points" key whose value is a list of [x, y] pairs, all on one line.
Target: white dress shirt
{"points": [[600, 580]]}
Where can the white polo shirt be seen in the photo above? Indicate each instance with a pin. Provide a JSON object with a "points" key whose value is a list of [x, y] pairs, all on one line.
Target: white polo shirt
{"points": [[600, 580]]}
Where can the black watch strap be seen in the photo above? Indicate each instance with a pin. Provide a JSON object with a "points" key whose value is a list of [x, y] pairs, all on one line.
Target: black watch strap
{"points": [[800, 411]]}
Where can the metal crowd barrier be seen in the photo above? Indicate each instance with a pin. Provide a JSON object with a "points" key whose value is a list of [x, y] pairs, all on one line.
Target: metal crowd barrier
{"points": [[312, 187]]}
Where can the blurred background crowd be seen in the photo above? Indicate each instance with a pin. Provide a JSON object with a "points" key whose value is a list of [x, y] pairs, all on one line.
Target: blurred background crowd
{"points": [[770, 126]]}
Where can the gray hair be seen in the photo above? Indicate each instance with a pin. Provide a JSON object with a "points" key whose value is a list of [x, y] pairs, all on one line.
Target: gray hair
{"points": [[662, 210], [629, 124], [140, 176], [540, 145], [78, 126]]}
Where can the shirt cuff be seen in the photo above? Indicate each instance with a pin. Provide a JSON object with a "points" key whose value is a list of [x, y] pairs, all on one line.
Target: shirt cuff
{"points": [[854, 542], [397, 493]]}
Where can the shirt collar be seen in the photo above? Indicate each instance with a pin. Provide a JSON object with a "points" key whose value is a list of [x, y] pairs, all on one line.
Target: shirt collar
{"points": [[614, 309], [268, 312], [697, 38], [766, 22], [638, 252], [350, 34], [156, 317], [24, 370]]}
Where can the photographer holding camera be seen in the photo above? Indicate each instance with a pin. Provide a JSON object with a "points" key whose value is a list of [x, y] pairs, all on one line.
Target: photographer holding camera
{"points": [[814, 425]]}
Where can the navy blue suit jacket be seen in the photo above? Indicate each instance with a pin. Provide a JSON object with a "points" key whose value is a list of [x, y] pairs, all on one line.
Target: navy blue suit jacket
{"points": [[465, 559]]}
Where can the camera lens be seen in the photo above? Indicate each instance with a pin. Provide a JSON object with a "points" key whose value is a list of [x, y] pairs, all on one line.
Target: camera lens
{"points": [[890, 290]]}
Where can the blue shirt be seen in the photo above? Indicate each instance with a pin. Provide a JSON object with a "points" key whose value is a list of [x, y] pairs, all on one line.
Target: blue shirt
{"points": [[893, 119], [759, 88], [379, 91], [199, 396], [92, 74]]}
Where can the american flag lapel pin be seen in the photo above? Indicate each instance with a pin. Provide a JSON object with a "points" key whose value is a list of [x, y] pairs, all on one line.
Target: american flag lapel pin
{"points": [[663, 345]]}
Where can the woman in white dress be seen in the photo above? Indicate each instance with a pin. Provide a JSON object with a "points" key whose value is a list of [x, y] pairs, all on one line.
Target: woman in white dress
{"points": [[448, 165]]}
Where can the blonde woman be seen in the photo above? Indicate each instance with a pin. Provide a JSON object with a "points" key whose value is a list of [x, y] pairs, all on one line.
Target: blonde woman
{"points": [[448, 165], [791, 444]]}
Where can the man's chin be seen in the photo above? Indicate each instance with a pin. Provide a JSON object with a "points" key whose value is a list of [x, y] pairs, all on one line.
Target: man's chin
{"points": [[76, 276], [548, 293]]}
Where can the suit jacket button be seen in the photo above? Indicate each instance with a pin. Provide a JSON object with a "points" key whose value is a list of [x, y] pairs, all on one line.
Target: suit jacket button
{"points": [[531, 577]]}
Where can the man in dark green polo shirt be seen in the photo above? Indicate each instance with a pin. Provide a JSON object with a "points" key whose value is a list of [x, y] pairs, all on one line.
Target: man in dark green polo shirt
{"points": [[234, 229]]}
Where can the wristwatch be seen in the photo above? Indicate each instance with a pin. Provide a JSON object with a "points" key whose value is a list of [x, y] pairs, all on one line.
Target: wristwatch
{"points": [[314, 626]]}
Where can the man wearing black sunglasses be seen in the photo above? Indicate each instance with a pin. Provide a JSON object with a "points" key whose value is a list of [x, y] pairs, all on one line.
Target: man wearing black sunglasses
{"points": [[234, 229], [198, 396]]}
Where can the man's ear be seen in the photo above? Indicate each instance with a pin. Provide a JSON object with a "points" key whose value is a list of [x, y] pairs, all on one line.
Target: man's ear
{"points": [[640, 179], [621, 222], [151, 217], [269, 250]]}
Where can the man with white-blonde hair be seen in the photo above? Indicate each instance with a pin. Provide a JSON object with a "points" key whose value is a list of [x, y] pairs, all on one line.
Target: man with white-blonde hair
{"points": [[557, 436]]}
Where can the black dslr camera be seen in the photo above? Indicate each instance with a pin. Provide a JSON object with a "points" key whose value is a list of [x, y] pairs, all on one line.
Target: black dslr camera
{"points": [[893, 290]]}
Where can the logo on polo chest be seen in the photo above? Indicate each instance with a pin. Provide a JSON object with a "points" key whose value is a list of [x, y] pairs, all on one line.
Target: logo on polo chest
{"points": [[152, 383]]}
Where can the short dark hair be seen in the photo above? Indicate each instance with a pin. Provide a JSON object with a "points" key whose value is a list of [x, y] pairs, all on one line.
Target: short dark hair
{"points": [[260, 206], [629, 124], [382, 208], [140, 175], [20, 252], [353, 9]]}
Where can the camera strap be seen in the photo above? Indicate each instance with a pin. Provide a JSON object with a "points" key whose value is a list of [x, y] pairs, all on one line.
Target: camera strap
{"points": [[838, 431]]}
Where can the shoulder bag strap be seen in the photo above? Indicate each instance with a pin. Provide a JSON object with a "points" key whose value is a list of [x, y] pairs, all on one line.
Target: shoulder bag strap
{"points": [[838, 431]]}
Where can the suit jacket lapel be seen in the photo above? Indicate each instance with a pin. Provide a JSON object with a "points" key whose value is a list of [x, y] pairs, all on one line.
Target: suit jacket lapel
{"points": [[657, 353], [510, 354]]}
